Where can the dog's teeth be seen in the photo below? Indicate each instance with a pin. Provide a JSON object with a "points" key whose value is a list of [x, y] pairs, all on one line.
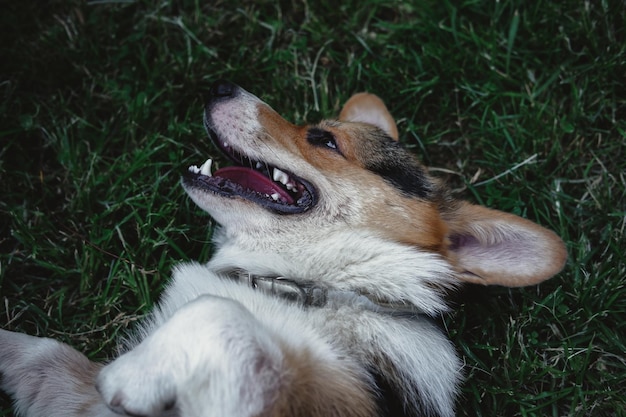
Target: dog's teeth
{"points": [[259, 165], [275, 196], [194, 169], [205, 169], [290, 186], [280, 176]]}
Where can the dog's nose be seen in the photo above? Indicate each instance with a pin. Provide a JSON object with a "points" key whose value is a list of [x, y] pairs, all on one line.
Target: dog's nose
{"points": [[222, 88]]}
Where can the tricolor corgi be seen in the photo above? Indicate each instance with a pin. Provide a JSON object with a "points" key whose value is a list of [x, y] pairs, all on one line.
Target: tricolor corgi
{"points": [[335, 252]]}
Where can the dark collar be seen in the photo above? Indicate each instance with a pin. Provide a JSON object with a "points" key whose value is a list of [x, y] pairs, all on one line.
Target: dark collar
{"points": [[313, 294]]}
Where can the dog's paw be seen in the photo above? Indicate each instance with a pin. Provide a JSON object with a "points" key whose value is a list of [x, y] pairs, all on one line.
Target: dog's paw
{"points": [[173, 370], [137, 385]]}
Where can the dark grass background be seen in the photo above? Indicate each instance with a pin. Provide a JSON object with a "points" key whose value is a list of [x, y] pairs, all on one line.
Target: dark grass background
{"points": [[519, 105]]}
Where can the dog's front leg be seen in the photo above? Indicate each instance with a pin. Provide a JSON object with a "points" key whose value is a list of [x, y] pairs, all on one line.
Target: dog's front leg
{"points": [[211, 358]]}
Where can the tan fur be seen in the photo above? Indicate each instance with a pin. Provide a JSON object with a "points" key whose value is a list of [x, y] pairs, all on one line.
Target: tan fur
{"points": [[401, 219], [288, 135], [360, 105], [418, 224], [313, 389]]}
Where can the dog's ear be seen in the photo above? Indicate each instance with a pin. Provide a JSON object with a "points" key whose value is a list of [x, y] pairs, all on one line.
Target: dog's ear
{"points": [[495, 248], [368, 108]]}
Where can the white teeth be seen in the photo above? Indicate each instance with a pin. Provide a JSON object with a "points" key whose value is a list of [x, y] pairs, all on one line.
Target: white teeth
{"points": [[280, 176], [259, 165], [291, 186], [205, 169], [275, 196]]}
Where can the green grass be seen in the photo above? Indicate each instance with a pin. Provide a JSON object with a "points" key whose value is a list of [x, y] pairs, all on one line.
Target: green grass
{"points": [[520, 106]]}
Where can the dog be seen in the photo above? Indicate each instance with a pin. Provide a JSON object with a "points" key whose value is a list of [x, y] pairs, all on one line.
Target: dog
{"points": [[336, 250]]}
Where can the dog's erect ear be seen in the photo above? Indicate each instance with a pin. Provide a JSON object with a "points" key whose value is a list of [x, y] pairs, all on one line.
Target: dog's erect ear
{"points": [[493, 247], [368, 108]]}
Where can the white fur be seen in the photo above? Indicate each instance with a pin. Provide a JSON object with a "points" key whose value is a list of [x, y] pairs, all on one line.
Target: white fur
{"points": [[427, 361], [173, 364], [37, 372], [350, 259]]}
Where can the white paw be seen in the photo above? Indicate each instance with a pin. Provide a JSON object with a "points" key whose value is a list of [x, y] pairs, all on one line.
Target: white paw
{"points": [[138, 384], [172, 372]]}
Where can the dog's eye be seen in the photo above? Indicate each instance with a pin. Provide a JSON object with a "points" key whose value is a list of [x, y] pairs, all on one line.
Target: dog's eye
{"points": [[322, 138]]}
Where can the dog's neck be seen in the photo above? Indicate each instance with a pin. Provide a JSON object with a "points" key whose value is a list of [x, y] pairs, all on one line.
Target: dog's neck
{"points": [[346, 262]]}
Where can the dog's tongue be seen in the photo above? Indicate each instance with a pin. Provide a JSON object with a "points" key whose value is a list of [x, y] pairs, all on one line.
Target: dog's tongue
{"points": [[253, 180]]}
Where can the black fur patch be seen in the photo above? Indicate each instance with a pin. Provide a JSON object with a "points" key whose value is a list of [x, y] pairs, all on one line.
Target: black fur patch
{"points": [[390, 402], [400, 169], [322, 138]]}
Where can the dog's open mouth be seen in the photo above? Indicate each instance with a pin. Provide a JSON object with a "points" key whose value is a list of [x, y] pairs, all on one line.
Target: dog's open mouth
{"points": [[256, 181]]}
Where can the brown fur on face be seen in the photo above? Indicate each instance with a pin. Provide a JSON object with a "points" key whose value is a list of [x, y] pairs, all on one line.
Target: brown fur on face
{"points": [[404, 205], [408, 206]]}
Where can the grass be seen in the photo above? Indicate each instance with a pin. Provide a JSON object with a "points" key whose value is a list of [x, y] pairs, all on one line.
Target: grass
{"points": [[520, 106]]}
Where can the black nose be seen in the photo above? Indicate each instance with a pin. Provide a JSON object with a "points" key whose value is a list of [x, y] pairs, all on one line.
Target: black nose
{"points": [[222, 88]]}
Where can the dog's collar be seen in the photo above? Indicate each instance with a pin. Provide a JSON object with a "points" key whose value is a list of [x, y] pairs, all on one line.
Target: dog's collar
{"points": [[312, 294], [305, 294]]}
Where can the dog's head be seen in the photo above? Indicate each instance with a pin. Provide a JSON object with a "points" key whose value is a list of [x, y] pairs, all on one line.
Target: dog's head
{"points": [[318, 186]]}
